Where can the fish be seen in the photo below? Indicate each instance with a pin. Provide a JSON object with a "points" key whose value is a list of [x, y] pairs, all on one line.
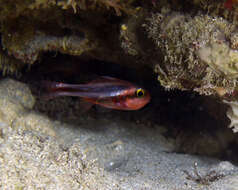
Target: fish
{"points": [[105, 91]]}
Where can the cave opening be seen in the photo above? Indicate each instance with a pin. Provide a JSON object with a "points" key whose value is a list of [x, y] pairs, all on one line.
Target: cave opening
{"points": [[196, 124]]}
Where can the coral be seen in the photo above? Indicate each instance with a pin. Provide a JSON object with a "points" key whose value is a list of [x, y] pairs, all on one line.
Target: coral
{"points": [[26, 38], [9, 65], [228, 9], [118, 5], [221, 58], [126, 42], [16, 8], [197, 53], [232, 114], [129, 34], [29, 28], [234, 41], [29, 51]]}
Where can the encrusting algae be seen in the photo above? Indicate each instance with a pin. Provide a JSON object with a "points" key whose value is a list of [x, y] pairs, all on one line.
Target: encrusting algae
{"points": [[16, 8], [30, 28], [9, 65], [199, 52]]}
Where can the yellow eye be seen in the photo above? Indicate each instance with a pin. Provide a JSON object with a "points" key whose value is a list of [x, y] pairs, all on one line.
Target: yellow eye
{"points": [[140, 92]]}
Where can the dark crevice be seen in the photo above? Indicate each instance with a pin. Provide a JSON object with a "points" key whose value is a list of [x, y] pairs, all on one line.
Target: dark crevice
{"points": [[198, 124]]}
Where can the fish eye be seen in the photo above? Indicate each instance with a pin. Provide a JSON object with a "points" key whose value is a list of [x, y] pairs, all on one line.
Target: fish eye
{"points": [[140, 93]]}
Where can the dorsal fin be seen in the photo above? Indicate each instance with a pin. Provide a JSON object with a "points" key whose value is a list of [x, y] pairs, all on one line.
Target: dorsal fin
{"points": [[105, 79]]}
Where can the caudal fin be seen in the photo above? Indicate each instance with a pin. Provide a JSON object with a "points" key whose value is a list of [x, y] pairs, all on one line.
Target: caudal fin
{"points": [[50, 85], [48, 89]]}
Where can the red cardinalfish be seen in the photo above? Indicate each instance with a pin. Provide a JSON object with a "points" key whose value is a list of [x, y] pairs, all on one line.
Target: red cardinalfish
{"points": [[106, 91]]}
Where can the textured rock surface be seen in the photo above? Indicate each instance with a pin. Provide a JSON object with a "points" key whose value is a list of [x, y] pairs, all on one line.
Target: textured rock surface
{"points": [[31, 156], [36, 152], [197, 52]]}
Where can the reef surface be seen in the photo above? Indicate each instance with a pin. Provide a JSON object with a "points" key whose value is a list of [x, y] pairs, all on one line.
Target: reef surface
{"points": [[184, 52], [191, 45]]}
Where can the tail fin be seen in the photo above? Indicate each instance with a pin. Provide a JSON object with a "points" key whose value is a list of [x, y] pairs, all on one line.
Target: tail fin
{"points": [[48, 89], [50, 85]]}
